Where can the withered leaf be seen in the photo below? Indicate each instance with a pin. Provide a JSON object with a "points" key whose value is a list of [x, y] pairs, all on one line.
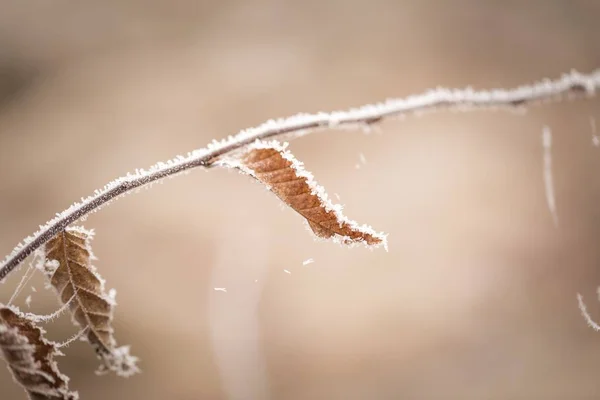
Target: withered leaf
{"points": [[274, 166], [76, 281], [30, 357]]}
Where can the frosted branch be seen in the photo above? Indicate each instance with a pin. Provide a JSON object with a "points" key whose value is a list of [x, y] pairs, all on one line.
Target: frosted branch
{"points": [[569, 85]]}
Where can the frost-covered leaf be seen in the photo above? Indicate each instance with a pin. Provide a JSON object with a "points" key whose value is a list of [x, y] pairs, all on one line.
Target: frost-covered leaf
{"points": [[274, 166], [76, 281], [30, 357]]}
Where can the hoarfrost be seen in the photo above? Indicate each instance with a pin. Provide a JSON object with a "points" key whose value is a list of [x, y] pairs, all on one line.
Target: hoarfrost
{"points": [[591, 323], [111, 297], [51, 266], [548, 180]]}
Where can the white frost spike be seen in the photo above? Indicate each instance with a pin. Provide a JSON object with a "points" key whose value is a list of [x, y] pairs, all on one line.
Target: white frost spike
{"points": [[591, 323], [286, 271], [308, 261], [112, 297], [28, 301], [220, 289], [548, 181]]}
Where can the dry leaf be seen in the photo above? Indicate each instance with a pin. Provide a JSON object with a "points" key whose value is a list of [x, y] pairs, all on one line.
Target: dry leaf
{"points": [[71, 273], [274, 166], [30, 357]]}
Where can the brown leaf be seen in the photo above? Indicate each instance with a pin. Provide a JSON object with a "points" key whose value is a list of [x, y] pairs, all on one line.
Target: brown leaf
{"points": [[274, 166], [76, 281], [30, 357]]}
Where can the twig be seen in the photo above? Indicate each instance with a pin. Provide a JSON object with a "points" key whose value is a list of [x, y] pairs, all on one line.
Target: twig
{"points": [[573, 84]]}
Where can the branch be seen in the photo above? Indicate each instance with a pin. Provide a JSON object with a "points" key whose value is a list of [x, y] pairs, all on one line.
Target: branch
{"points": [[569, 85]]}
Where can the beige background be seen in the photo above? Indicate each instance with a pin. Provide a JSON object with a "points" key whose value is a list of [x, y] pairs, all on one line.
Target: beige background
{"points": [[476, 298]]}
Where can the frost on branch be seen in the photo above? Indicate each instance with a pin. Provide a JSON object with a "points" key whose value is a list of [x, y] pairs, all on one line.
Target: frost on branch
{"points": [[586, 315], [275, 167], [77, 283], [30, 357], [548, 180]]}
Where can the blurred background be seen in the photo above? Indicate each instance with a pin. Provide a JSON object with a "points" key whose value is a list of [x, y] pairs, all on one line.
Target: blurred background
{"points": [[476, 298]]}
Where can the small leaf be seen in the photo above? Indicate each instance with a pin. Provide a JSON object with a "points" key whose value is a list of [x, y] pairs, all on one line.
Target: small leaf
{"points": [[73, 277], [274, 166], [30, 357]]}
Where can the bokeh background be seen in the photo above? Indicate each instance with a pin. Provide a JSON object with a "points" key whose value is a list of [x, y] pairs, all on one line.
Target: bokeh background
{"points": [[476, 298]]}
